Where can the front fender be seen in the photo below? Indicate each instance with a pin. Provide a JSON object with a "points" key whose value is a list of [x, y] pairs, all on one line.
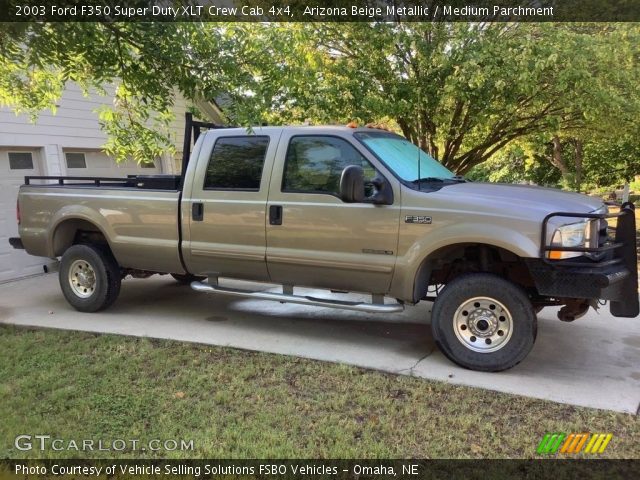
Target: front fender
{"points": [[408, 266]]}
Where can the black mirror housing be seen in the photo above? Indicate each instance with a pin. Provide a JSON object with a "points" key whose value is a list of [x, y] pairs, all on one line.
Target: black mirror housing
{"points": [[384, 193], [352, 184]]}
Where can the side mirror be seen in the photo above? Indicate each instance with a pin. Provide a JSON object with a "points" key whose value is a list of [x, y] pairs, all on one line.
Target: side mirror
{"points": [[352, 184], [383, 192]]}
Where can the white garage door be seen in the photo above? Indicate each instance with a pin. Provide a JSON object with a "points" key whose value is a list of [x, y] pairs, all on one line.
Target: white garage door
{"points": [[14, 165], [97, 164]]}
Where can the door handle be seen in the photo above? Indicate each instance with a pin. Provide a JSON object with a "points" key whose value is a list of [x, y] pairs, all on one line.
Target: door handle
{"points": [[197, 211], [275, 215]]}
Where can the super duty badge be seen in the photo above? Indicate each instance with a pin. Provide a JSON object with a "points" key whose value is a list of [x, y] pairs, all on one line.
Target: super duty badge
{"points": [[417, 219]]}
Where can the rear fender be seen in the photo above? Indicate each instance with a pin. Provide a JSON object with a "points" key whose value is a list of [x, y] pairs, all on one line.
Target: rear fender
{"points": [[70, 213]]}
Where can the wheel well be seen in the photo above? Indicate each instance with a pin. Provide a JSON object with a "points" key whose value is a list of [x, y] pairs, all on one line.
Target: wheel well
{"points": [[77, 231], [447, 263]]}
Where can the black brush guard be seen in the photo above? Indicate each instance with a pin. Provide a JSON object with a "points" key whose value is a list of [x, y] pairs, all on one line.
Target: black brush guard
{"points": [[607, 272]]}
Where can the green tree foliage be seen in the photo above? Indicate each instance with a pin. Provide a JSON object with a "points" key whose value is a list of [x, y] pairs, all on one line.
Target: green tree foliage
{"points": [[463, 92], [517, 164], [605, 164], [612, 163], [146, 62]]}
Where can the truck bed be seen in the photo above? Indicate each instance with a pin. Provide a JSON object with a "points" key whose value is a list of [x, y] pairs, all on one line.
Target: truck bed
{"points": [[138, 215]]}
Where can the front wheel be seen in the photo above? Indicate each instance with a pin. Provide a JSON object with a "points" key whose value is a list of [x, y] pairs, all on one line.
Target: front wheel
{"points": [[482, 322], [90, 277]]}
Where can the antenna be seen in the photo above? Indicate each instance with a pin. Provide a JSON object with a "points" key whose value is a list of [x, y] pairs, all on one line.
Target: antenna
{"points": [[419, 133]]}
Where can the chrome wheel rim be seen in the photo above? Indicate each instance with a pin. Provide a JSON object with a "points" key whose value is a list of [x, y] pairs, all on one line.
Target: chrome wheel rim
{"points": [[483, 324], [82, 279]]}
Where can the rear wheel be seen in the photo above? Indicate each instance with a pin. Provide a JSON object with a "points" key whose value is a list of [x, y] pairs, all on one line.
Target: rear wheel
{"points": [[483, 322], [187, 278], [90, 278]]}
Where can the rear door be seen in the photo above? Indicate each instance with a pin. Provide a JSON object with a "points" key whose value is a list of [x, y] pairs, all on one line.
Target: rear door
{"points": [[315, 239], [225, 210]]}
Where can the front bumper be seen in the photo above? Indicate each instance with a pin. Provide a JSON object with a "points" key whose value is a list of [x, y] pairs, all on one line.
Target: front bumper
{"points": [[614, 277]]}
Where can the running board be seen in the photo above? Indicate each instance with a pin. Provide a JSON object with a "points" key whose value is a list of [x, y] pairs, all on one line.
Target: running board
{"points": [[299, 299]]}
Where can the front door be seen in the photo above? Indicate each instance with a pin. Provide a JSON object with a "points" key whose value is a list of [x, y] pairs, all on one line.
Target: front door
{"points": [[313, 237], [225, 211]]}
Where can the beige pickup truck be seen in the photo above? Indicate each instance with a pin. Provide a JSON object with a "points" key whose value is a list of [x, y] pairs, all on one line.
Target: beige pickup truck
{"points": [[346, 210]]}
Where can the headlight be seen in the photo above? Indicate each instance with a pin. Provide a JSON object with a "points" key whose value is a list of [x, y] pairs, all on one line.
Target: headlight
{"points": [[572, 235]]}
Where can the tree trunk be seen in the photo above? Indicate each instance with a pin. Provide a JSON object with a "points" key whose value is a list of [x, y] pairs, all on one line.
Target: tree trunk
{"points": [[578, 147], [556, 157]]}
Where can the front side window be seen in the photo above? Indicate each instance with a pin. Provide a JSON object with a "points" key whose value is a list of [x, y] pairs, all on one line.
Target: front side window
{"points": [[236, 163], [401, 156], [314, 164]]}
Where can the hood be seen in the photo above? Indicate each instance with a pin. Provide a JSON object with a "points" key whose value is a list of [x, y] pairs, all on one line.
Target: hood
{"points": [[523, 197]]}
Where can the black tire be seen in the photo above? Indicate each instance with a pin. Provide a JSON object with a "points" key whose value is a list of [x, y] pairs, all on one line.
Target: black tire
{"points": [[186, 278], [451, 321], [106, 273]]}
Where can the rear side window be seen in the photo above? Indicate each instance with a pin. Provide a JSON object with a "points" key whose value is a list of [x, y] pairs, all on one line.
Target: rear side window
{"points": [[314, 164], [236, 163]]}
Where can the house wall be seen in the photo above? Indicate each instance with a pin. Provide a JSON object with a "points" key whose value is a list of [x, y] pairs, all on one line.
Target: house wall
{"points": [[73, 128]]}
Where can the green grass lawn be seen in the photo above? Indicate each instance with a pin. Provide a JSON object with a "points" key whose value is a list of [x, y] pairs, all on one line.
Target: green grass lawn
{"points": [[238, 404]]}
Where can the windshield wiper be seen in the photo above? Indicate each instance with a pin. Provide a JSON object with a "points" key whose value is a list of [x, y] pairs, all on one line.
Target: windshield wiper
{"points": [[457, 178], [428, 179]]}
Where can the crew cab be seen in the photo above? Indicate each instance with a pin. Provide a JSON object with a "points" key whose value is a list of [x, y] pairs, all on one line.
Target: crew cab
{"points": [[348, 210]]}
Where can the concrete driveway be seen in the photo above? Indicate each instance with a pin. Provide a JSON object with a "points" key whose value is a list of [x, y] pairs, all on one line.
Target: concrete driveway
{"points": [[594, 362]]}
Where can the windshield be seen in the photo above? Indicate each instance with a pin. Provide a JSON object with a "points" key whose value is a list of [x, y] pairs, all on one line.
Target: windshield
{"points": [[401, 156]]}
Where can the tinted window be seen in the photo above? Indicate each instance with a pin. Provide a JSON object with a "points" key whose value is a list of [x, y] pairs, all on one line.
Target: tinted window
{"points": [[314, 164], [236, 163], [76, 160], [20, 161]]}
